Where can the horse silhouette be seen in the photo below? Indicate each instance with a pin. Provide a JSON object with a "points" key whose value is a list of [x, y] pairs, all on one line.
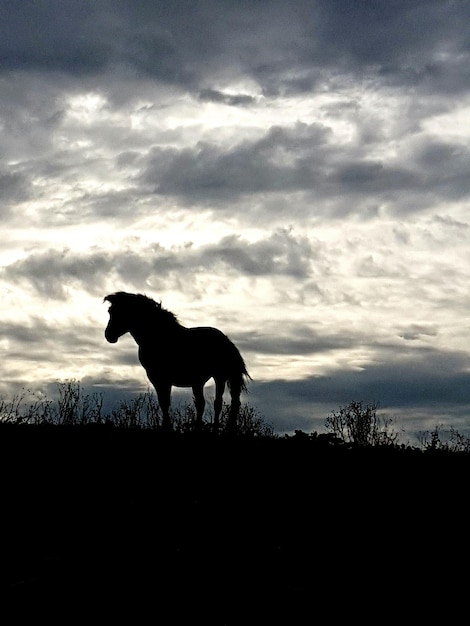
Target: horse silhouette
{"points": [[173, 355]]}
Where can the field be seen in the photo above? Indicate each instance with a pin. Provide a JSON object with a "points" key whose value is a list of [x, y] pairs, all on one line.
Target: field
{"points": [[101, 522]]}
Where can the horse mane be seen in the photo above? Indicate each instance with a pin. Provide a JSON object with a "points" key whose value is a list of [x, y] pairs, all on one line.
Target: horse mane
{"points": [[142, 303]]}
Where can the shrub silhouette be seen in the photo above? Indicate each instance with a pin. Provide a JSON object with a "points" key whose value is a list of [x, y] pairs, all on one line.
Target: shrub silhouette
{"points": [[76, 407], [26, 407], [437, 441], [358, 423]]}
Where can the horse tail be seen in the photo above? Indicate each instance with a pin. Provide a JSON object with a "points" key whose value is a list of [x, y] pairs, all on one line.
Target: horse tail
{"points": [[238, 372]]}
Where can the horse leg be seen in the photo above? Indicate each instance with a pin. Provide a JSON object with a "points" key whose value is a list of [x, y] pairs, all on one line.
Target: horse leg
{"points": [[164, 398], [235, 392], [200, 403], [219, 392]]}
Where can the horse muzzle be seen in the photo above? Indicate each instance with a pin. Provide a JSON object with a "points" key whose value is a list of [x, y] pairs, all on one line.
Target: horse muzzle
{"points": [[111, 338]]}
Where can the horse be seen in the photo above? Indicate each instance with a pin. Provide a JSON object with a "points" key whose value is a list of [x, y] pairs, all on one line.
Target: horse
{"points": [[174, 355]]}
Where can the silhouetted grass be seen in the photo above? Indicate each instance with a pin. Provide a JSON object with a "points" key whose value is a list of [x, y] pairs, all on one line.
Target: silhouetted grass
{"points": [[74, 407], [354, 425]]}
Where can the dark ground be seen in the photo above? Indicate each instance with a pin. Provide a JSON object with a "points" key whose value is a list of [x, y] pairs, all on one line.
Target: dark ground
{"points": [[100, 523]]}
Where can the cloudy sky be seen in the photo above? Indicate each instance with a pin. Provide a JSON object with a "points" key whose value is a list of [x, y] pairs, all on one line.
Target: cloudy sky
{"points": [[296, 174]]}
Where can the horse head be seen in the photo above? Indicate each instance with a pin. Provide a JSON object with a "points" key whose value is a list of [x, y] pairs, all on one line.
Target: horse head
{"points": [[128, 311], [119, 318]]}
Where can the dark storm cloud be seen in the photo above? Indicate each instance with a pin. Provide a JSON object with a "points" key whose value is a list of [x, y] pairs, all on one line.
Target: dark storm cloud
{"points": [[281, 160], [283, 46], [418, 377], [281, 254], [419, 44], [52, 272], [14, 187], [209, 172], [156, 38], [447, 166], [410, 386], [370, 176], [39, 337], [299, 339], [49, 35], [306, 158], [213, 95], [394, 36], [417, 331]]}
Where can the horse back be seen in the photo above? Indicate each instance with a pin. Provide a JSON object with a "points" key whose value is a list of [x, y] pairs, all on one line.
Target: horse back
{"points": [[201, 351]]}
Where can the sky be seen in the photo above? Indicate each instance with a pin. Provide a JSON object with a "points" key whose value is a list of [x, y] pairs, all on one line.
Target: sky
{"points": [[296, 174]]}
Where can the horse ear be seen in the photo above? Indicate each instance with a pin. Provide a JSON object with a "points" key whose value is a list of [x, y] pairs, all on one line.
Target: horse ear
{"points": [[111, 298]]}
